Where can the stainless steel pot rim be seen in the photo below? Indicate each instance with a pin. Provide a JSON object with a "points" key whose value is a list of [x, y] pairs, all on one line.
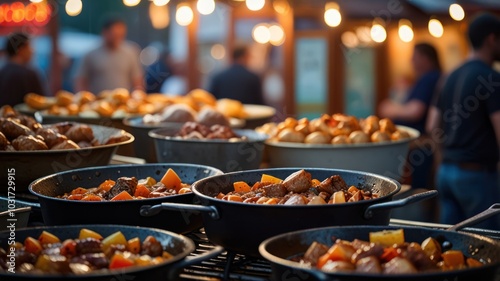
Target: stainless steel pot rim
{"points": [[414, 134], [252, 136], [103, 168], [198, 193]]}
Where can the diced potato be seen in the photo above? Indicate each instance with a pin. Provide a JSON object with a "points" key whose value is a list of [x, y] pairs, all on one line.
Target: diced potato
{"points": [[352, 189], [272, 201], [115, 238], [172, 180], [338, 197], [143, 260], [166, 255], [48, 238], [317, 200], [431, 248], [388, 237], [235, 198], [184, 190], [149, 181], [269, 178], [87, 233], [32, 245], [338, 252], [453, 258], [220, 195]]}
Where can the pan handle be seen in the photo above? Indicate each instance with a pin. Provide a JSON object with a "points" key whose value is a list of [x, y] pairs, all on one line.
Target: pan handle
{"points": [[491, 211], [148, 210], [399, 203], [191, 260]]}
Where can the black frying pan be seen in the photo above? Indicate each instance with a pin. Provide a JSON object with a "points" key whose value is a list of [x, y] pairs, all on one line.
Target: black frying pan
{"points": [[280, 248], [241, 227], [177, 245], [57, 211]]}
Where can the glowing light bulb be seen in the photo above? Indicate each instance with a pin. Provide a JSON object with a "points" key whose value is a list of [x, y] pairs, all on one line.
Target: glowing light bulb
{"points": [[277, 34], [457, 12], [184, 15], [332, 14], [73, 7], [261, 34], [218, 51], [281, 6], [349, 39], [160, 2], [205, 7], [131, 3], [378, 33], [405, 31], [435, 28], [363, 34], [36, 1], [255, 5]]}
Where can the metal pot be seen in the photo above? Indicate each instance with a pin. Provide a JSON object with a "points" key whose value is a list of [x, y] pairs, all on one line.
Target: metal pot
{"points": [[177, 245], [241, 227], [280, 248], [387, 158], [26, 166], [56, 211], [222, 154]]}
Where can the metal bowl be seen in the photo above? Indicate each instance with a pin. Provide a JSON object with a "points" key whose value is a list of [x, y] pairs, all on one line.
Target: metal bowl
{"points": [[222, 154], [26, 166], [387, 158]]}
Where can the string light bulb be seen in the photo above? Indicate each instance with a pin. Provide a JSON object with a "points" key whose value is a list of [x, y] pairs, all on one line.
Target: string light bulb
{"points": [[405, 30], [131, 3], [205, 7], [332, 14], [184, 15], [73, 7], [255, 5], [435, 28], [456, 12], [378, 32]]}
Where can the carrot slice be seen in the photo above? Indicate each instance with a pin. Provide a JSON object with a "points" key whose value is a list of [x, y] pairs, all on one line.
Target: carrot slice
{"points": [[142, 190], [124, 195], [241, 186], [107, 185], [171, 180]]}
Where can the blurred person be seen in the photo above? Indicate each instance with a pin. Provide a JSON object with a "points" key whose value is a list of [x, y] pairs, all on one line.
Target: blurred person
{"points": [[114, 64], [237, 81], [176, 83], [17, 77], [465, 119], [412, 111], [158, 72]]}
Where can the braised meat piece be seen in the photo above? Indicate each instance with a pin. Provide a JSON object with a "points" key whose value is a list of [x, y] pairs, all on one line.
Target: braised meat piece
{"points": [[151, 247], [29, 122], [298, 182], [333, 184], [419, 259], [24, 143], [3, 141], [96, 260], [221, 132], [399, 266], [274, 190], [12, 129], [80, 133], [366, 251], [190, 127], [66, 144], [122, 184], [369, 265], [51, 137], [117, 139], [62, 127], [296, 199], [87, 245], [314, 252]]}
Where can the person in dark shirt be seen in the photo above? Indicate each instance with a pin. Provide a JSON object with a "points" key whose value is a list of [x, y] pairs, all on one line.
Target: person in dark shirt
{"points": [[17, 78], [237, 82], [158, 72], [413, 111], [465, 119]]}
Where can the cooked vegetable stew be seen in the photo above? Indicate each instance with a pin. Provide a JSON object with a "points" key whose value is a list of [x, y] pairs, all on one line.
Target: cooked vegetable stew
{"points": [[128, 188], [386, 252], [297, 189], [88, 253]]}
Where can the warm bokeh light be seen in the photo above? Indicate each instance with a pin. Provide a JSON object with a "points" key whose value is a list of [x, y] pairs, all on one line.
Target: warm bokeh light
{"points": [[218, 51], [378, 33], [205, 7], [457, 12], [17, 10], [255, 5], [36, 1], [281, 6], [160, 2], [149, 55], [277, 35], [159, 16], [405, 30], [349, 39], [363, 34], [261, 34], [131, 3], [436, 28], [184, 15], [332, 14], [73, 7]]}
